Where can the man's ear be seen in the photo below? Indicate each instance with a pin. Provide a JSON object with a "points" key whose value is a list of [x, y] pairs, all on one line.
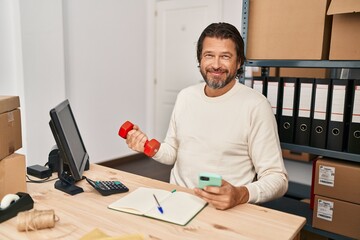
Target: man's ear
{"points": [[239, 64]]}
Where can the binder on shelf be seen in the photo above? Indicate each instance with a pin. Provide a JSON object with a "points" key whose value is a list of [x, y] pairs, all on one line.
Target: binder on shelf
{"points": [[320, 107], [248, 82], [338, 108], [259, 84], [304, 113], [272, 92], [287, 110], [353, 141]]}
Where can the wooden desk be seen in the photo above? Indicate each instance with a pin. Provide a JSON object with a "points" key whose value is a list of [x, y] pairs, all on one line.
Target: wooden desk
{"points": [[82, 213]]}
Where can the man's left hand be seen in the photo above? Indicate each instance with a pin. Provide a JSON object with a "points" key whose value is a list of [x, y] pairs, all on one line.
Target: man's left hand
{"points": [[224, 197]]}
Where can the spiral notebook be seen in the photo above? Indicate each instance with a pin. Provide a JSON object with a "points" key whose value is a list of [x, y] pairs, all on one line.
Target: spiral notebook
{"points": [[178, 207]]}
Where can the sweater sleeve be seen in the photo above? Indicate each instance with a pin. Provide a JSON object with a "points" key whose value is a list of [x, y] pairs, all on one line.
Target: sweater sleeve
{"points": [[168, 149], [265, 152]]}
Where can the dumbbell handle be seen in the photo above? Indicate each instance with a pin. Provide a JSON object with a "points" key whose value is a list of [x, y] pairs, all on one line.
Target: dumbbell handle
{"points": [[150, 147]]}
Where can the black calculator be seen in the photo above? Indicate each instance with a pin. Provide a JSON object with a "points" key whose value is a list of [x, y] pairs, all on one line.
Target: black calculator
{"points": [[106, 188]]}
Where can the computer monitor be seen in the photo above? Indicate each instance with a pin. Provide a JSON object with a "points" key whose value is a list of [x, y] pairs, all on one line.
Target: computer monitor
{"points": [[73, 155]]}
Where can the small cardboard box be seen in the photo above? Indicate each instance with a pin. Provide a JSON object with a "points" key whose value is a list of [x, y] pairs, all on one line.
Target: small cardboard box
{"points": [[298, 156], [345, 32], [305, 72], [337, 216], [288, 29], [8, 103], [294, 72], [12, 174], [10, 125], [338, 180]]}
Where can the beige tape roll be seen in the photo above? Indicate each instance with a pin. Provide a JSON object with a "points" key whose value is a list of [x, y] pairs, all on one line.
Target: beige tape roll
{"points": [[8, 200]]}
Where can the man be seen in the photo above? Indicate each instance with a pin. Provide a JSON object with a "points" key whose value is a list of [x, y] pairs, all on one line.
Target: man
{"points": [[222, 127]]}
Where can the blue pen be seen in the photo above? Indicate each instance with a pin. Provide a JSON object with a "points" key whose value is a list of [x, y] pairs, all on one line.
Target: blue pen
{"points": [[159, 206]]}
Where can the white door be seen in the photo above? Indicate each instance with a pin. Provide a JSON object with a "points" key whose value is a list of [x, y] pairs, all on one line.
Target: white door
{"points": [[179, 24]]}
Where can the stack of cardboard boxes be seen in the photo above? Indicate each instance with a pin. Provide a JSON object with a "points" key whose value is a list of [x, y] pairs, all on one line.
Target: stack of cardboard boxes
{"points": [[337, 197], [12, 165], [304, 30]]}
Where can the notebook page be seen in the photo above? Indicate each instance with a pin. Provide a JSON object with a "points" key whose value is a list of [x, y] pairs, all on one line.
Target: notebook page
{"points": [[178, 208], [140, 200]]}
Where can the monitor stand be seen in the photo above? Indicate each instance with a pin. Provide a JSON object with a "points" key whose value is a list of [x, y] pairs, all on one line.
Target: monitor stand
{"points": [[67, 185], [68, 188]]}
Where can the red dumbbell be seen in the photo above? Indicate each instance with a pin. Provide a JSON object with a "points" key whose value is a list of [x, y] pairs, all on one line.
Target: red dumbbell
{"points": [[150, 148]]}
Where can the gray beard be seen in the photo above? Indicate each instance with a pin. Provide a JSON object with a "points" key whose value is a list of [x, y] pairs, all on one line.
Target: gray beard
{"points": [[217, 84]]}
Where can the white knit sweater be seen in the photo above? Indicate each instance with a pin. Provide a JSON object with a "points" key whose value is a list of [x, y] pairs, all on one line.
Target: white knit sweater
{"points": [[234, 135]]}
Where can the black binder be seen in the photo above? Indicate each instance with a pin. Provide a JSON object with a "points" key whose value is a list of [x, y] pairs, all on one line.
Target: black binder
{"points": [[338, 108], [353, 141], [288, 110], [259, 84], [273, 93], [320, 107], [304, 111]]}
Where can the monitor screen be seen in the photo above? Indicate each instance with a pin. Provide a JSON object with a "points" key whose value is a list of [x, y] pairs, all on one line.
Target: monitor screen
{"points": [[73, 154]]}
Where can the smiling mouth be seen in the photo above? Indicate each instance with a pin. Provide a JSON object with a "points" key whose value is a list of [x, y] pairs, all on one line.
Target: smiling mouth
{"points": [[216, 72]]}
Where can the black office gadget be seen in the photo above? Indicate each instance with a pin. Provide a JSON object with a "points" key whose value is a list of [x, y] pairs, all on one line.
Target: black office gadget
{"points": [[39, 171], [73, 157], [73, 154], [24, 202], [106, 188], [53, 159]]}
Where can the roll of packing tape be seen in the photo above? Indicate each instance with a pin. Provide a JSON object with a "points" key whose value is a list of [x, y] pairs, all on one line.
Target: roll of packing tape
{"points": [[8, 200]]}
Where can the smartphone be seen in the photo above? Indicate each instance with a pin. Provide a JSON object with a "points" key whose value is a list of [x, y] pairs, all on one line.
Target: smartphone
{"points": [[209, 179]]}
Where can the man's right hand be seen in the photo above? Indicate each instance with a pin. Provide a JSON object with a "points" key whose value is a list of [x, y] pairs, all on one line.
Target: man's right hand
{"points": [[136, 139]]}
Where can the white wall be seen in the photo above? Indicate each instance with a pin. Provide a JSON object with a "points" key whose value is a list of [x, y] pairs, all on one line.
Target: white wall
{"points": [[31, 66], [11, 77], [8, 27], [105, 51], [103, 45], [232, 11], [43, 72]]}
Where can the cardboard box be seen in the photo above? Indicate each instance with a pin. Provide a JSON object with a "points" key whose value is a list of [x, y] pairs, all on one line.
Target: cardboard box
{"points": [[345, 32], [12, 174], [8, 103], [337, 216], [305, 72], [10, 125], [294, 72], [338, 180], [298, 156], [288, 29]]}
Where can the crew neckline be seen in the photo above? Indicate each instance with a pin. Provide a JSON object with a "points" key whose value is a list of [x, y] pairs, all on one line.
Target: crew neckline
{"points": [[226, 95]]}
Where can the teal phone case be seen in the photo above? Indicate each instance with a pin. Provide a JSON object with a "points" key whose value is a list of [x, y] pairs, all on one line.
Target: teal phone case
{"points": [[209, 179]]}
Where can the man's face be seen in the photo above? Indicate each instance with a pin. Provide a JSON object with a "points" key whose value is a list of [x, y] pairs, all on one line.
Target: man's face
{"points": [[218, 64]]}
